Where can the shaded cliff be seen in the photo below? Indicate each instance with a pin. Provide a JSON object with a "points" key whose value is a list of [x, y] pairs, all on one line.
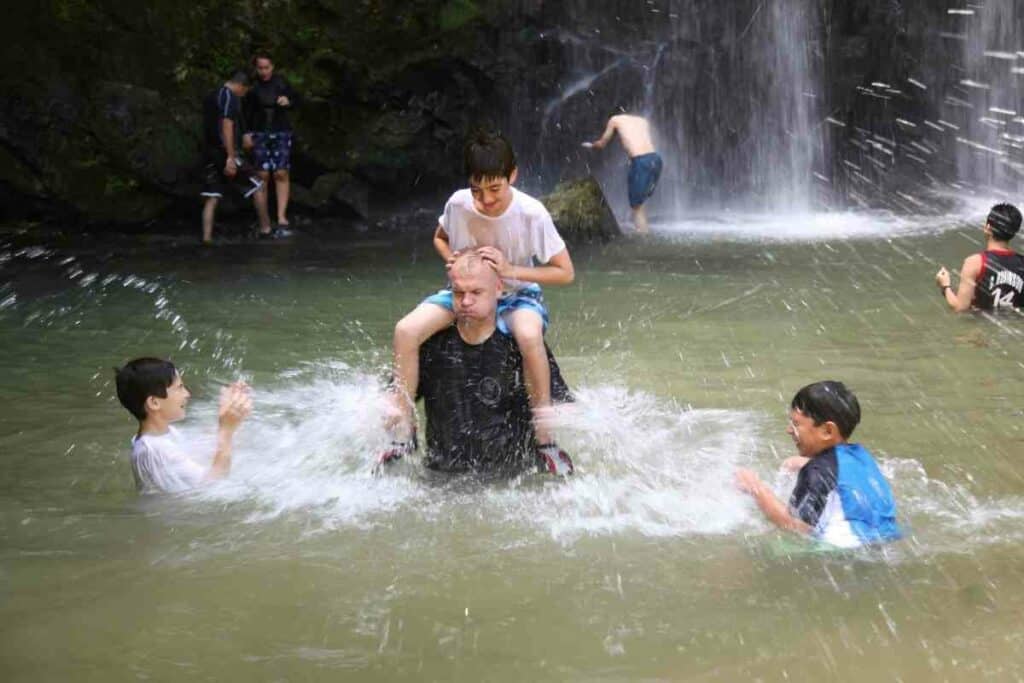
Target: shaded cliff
{"points": [[100, 116]]}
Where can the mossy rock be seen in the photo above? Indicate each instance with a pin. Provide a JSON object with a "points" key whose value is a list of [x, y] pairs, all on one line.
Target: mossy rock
{"points": [[581, 212]]}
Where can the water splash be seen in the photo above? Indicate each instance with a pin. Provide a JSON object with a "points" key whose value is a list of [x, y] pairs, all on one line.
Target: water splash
{"points": [[647, 467]]}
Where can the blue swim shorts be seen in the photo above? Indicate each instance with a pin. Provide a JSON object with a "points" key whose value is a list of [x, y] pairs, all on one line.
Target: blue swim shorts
{"points": [[529, 298], [644, 171], [272, 151]]}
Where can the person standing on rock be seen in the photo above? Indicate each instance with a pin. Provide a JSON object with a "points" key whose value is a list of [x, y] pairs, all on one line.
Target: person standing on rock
{"points": [[644, 162], [267, 106], [222, 136]]}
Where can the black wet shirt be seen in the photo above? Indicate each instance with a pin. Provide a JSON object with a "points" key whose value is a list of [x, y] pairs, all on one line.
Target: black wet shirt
{"points": [[817, 479], [477, 409], [221, 104], [263, 112], [1001, 284]]}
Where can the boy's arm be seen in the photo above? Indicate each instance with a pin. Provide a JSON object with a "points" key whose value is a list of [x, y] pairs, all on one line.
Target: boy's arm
{"points": [[235, 405], [441, 245], [774, 509], [558, 271], [969, 274], [606, 137]]}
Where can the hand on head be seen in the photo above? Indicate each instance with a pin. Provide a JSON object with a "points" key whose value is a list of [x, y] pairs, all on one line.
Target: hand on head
{"points": [[493, 257], [235, 405]]}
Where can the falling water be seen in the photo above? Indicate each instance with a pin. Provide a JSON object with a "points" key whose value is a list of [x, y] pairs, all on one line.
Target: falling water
{"points": [[731, 90], [991, 88]]}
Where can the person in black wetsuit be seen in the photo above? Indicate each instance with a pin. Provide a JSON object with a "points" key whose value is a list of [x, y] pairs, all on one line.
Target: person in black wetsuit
{"points": [[267, 106], [471, 382], [994, 279], [223, 166]]}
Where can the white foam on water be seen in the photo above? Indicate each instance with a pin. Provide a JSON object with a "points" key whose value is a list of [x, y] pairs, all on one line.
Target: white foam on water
{"points": [[820, 226], [645, 466]]}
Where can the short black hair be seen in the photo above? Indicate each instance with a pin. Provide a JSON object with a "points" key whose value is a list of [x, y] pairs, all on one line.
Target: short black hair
{"points": [[1004, 219], [829, 401], [240, 77], [488, 154], [141, 378], [262, 54]]}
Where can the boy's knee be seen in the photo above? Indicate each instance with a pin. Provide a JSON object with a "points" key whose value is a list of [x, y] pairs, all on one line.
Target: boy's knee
{"points": [[405, 332], [529, 336]]}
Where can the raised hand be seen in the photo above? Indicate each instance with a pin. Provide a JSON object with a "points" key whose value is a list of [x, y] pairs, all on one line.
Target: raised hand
{"points": [[235, 405]]}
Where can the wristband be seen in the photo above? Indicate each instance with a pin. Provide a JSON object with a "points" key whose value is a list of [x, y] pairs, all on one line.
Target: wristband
{"points": [[944, 288]]}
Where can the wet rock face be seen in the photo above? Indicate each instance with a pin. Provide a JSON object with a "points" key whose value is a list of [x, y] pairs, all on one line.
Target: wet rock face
{"points": [[100, 117], [580, 211]]}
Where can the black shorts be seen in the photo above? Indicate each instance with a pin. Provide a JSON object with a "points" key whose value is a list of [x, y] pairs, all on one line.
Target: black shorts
{"points": [[216, 184]]}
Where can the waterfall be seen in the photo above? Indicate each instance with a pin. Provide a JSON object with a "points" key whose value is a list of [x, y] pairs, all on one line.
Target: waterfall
{"points": [[989, 98], [732, 91]]}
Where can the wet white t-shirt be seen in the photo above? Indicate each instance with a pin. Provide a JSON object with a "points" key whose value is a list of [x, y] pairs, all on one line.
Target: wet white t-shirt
{"points": [[525, 233], [160, 463]]}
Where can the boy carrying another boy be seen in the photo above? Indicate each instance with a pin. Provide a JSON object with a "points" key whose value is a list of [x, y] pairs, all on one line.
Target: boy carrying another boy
{"points": [[515, 235], [841, 497], [151, 389]]}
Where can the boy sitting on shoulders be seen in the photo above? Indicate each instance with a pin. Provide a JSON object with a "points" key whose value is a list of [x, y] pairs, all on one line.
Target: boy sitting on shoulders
{"points": [[515, 235], [151, 389], [841, 497]]}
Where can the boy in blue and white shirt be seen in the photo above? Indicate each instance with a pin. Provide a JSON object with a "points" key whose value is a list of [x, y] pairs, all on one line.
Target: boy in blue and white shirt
{"points": [[841, 497]]}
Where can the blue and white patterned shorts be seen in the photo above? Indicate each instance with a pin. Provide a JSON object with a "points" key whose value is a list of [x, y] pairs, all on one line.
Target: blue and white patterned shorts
{"points": [[529, 298], [272, 151]]}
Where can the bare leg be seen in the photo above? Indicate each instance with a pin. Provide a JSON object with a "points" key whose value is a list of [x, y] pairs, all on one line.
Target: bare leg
{"points": [[640, 219], [259, 199], [411, 331], [209, 209], [282, 186], [528, 330]]}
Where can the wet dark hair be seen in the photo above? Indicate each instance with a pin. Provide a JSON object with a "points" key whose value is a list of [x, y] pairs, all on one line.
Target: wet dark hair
{"points": [[141, 378], [240, 77], [261, 54], [487, 154], [829, 401], [1004, 219]]}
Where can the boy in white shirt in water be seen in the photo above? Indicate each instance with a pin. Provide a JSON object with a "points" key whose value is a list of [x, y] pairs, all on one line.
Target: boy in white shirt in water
{"points": [[514, 233], [151, 389]]}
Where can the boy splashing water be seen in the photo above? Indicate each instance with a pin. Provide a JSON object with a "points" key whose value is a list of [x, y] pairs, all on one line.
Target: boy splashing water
{"points": [[841, 497], [515, 235]]}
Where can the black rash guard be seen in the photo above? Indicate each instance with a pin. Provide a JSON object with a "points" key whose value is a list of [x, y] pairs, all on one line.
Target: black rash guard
{"points": [[477, 408], [264, 114], [817, 479], [1001, 283]]}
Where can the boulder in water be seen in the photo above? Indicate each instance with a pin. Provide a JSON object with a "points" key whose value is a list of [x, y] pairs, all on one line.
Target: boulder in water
{"points": [[335, 190], [581, 212]]}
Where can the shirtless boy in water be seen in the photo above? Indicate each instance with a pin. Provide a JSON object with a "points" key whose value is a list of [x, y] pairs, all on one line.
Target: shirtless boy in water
{"points": [[644, 162]]}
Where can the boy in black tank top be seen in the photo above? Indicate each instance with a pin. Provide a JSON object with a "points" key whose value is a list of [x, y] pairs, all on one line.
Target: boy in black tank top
{"points": [[993, 279]]}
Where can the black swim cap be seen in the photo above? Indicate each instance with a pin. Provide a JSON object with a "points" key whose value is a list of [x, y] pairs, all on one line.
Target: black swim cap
{"points": [[1004, 219]]}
